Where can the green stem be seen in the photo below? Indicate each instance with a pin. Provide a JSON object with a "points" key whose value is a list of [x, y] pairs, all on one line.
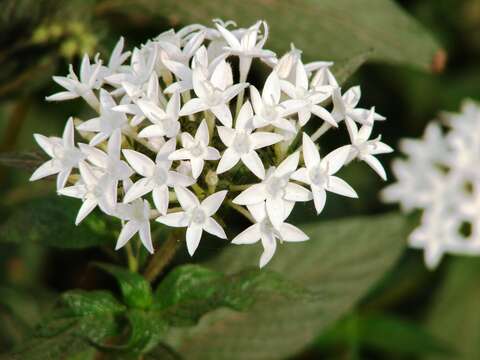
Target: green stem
{"points": [[162, 257], [132, 260]]}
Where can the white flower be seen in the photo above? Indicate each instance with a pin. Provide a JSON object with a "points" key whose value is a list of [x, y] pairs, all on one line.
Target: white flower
{"points": [[264, 230], [268, 108], [137, 217], [241, 143], [108, 121], [345, 106], [276, 190], [113, 167], [65, 156], [214, 94], [311, 98], [117, 58], [176, 53], [93, 189], [318, 173], [196, 216], [165, 122], [196, 149], [247, 47], [364, 149], [83, 87], [157, 176]]}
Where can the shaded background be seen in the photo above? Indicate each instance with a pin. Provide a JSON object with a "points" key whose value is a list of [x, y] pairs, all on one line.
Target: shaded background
{"points": [[412, 313]]}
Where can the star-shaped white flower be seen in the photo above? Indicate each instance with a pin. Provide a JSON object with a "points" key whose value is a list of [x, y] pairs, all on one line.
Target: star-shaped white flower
{"points": [[247, 47], [181, 54], [214, 94], [117, 58], [276, 190], [310, 97], [83, 87], [108, 121], [345, 106], [196, 216], [137, 218], [318, 173], [165, 122], [364, 149], [196, 149], [264, 230], [94, 189], [65, 156], [157, 176], [114, 168], [241, 143], [268, 108]]}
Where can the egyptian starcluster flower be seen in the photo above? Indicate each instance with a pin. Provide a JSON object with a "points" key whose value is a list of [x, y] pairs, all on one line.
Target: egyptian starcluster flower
{"points": [[440, 177], [181, 137]]}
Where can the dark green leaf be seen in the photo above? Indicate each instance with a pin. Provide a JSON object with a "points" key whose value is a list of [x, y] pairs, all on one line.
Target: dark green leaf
{"points": [[51, 222], [455, 317], [135, 289], [342, 260], [335, 30], [191, 291], [84, 303]]}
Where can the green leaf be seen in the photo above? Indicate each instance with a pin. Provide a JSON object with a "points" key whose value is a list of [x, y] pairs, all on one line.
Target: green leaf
{"points": [[80, 320], [335, 30], [339, 264], [454, 316], [50, 222], [191, 291], [135, 289], [385, 333]]}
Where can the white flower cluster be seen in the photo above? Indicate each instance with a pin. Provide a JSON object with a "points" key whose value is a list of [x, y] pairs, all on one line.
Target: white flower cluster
{"points": [[174, 126], [441, 177]]}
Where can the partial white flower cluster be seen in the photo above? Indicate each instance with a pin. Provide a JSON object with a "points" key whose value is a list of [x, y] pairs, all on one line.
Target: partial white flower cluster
{"points": [[180, 128], [441, 177]]}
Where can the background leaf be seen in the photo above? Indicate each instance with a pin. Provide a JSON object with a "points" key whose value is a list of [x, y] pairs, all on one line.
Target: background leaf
{"points": [[342, 260], [50, 222], [329, 29]]}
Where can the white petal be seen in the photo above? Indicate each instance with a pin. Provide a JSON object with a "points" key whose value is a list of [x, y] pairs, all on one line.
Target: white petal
{"points": [[253, 162], [275, 210], [202, 132], [128, 231], [336, 159], [248, 236], [77, 191], [86, 208], [269, 246], [69, 134], [214, 228], [62, 178], [271, 89], [381, 148], [244, 116], [262, 139], [194, 234], [141, 163], [291, 233], [213, 202], [197, 167], [295, 192], [186, 198], [178, 219], [140, 188], [180, 154], [226, 134], [323, 114], [44, 170], [87, 174], [229, 159], [152, 131], [339, 186], [301, 175], [310, 152], [193, 106], [319, 198], [289, 165], [45, 143], [255, 194], [212, 154], [222, 76], [373, 162], [146, 236], [256, 100], [222, 112]]}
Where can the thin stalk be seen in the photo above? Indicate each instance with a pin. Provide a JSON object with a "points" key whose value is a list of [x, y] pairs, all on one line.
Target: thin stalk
{"points": [[162, 257], [131, 259], [239, 187], [320, 131], [134, 136], [241, 210]]}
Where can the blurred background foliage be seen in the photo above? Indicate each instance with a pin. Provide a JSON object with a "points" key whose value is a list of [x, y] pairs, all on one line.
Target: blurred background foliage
{"points": [[410, 314]]}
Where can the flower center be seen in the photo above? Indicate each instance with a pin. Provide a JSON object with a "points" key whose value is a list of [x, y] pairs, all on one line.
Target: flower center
{"points": [[270, 112], [198, 216], [68, 157], [276, 186], [318, 176], [159, 176], [242, 143], [197, 149]]}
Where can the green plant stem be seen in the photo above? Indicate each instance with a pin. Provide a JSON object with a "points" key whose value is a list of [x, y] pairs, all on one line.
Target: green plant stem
{"points": [[241, 210], [132, 260], [162, 257]]}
